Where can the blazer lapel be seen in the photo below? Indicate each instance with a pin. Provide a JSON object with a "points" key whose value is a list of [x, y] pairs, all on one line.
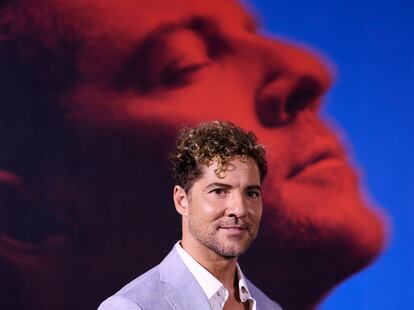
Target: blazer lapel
{"points": [[182, 290]]}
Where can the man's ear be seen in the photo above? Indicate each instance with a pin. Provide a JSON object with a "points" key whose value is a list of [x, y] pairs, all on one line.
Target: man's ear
{"points": [[181, 202]]}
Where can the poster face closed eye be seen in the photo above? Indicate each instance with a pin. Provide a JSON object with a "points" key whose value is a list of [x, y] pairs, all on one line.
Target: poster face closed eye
{"points": [[93, 93]]}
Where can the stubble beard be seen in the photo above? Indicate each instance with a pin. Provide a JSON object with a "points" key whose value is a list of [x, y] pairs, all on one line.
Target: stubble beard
{"points": [[210, 239]]}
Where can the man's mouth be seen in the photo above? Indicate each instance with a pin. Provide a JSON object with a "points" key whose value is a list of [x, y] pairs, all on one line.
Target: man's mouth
{"points": [[233, 230], [233, 227]]}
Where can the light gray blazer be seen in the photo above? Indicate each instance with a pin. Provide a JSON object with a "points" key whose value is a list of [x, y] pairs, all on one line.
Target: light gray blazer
{"points": [[170, 285]]}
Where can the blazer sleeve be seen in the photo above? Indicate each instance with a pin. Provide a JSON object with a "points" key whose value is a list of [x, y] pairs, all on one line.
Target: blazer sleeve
{"points": [[117, 302]]}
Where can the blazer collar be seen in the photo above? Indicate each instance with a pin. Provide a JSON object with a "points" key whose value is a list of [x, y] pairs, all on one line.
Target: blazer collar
{"points": [[181, 288]]}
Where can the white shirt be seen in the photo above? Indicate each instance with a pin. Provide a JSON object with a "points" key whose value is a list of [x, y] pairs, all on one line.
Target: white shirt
{"points": [[215, 291]]}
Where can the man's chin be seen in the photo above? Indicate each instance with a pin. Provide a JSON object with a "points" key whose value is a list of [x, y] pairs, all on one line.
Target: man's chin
{"points": [[230, 253], [228, 249]]}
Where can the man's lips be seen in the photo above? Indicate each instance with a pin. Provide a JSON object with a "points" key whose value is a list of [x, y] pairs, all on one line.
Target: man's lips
{"points": [[233, 230], [233, 227]]}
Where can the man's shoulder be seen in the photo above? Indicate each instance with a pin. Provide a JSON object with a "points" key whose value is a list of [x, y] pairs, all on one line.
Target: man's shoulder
{"points": [[146, 284], [169, 283], [263, 302], [146, 288]]}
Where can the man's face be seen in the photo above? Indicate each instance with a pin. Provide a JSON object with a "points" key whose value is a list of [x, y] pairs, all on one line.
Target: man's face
{"points": [[143, 68], [224, 213]]}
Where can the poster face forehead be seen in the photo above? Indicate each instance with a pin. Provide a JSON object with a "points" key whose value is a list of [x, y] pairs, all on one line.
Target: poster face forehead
{"points": [[138, 17]]}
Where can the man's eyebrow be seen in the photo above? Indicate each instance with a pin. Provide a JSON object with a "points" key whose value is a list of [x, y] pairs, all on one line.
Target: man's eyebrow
{"points": [[228, 186], [218, 184], [257, 187]]}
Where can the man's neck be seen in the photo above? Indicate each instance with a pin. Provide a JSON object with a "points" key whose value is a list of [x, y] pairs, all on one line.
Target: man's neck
{"points": [[222, 268]]}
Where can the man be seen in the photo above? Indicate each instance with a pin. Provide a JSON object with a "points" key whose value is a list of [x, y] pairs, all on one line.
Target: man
{"points": [[219, 169], [91, 92]]}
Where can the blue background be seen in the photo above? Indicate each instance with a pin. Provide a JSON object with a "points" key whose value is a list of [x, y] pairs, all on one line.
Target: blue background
{"points": [[371, 47]]}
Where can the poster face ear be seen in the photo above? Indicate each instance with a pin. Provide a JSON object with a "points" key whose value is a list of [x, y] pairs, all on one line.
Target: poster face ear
{"points": [[15, 201], [22, 221]]}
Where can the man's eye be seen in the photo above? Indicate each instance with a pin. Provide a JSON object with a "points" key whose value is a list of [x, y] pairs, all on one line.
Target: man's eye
{"points": [[218, 191], [253, 194]]}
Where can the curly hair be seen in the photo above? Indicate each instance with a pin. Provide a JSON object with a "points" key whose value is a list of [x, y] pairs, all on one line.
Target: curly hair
{"points": [[217, 141]]}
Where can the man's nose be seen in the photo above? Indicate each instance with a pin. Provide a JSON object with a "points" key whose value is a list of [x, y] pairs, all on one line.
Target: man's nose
{"points": [[294, 80], [237, 207]]}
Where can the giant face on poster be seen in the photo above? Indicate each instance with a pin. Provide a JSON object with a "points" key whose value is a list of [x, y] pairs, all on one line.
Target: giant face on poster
{"points": [[92, 93]]}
